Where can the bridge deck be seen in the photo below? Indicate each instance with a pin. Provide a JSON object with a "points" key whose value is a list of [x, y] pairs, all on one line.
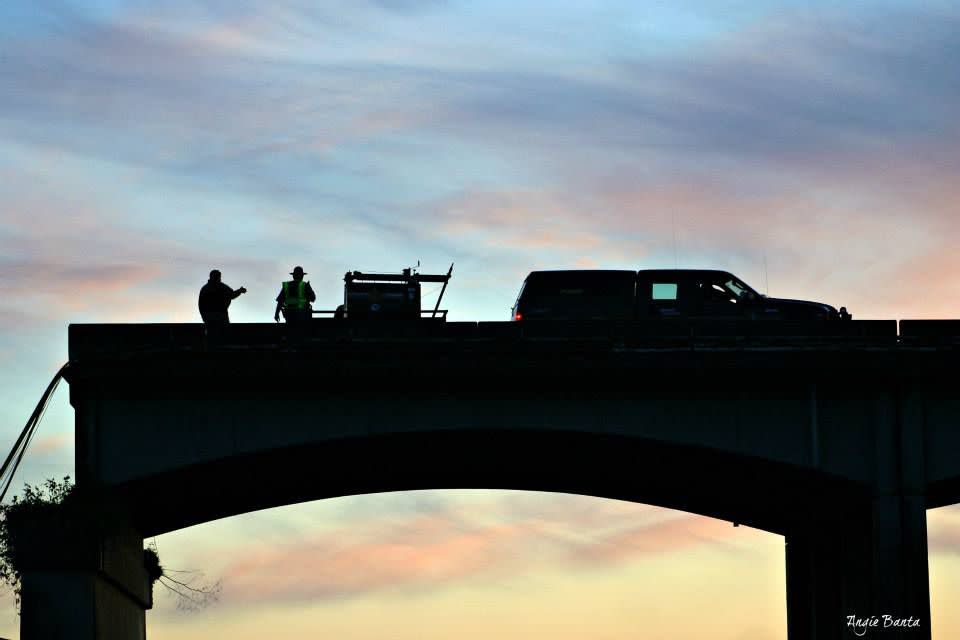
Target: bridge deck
{"points": [[790, 389], [93, 341]]}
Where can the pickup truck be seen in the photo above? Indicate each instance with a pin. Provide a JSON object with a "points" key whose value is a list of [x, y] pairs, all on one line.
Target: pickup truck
{"points": [[656, 293]]}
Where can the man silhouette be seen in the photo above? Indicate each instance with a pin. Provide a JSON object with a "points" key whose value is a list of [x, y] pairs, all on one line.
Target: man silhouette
{"points": [[215, 298], [295, 298]]}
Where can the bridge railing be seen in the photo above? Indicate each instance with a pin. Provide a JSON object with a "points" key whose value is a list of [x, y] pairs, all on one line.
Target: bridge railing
{"points": [[94, 340], [930, 333]]}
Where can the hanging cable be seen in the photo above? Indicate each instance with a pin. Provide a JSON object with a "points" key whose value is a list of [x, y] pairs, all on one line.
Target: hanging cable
{"points": [[15, 457]]}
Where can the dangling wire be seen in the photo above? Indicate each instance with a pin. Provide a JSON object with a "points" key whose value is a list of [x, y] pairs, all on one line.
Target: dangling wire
{"points": [[15, 457]]}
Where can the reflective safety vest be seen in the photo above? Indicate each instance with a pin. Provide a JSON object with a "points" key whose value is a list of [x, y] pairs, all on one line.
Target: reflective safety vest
{"points": [[295, 295]]}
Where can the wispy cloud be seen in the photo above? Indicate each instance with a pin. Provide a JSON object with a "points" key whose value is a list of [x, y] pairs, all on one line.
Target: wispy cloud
{"points": [[431, 550], [832, 153]]}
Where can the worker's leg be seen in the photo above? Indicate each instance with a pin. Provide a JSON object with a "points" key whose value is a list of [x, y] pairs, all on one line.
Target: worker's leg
{"points": [[296, 326], [215, 323]]}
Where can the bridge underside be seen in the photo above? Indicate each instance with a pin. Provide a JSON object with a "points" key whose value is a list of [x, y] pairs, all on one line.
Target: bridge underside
{"points": [[842, 556], [774, 497]]}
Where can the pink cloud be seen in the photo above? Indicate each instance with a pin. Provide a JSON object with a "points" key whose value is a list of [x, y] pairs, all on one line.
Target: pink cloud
{"points": [[943, 535], [528, 222], [46, 445], [425, 552], [674, 534], [72, 282], [881, 250], [428, 551], [96, 264]]}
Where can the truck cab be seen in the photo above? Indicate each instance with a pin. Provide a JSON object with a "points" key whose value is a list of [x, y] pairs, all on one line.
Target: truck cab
{"points": [[717, 295], [696, 294]]}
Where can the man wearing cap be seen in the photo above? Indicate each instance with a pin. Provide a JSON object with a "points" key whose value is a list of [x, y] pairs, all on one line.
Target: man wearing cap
{"points": [[295, 298], [215, 298]]}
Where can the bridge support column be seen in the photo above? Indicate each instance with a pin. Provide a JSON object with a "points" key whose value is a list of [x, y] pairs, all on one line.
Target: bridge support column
{"points": [[867, 569], [866, 557], [75, 588], [828, 578]]}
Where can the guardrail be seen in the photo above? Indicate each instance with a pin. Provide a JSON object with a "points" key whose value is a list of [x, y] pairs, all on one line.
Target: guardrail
{"points": [[95, 340], [338, 314], [930, 332]]}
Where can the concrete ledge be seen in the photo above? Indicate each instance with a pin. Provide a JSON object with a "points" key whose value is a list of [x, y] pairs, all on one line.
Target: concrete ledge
{"points": [[91, 341]]}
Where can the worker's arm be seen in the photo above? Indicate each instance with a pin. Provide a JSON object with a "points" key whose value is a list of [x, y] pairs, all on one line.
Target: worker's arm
{"points": [[237, 293], [311, 296], [276, 313]]}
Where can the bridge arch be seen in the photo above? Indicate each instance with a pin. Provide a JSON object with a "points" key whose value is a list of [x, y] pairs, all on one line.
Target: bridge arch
{"points": [[496, 561], [767, 495]]}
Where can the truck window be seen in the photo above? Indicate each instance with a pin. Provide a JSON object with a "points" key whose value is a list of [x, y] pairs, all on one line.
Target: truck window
{"points": [[736, 287], [664, 291]]}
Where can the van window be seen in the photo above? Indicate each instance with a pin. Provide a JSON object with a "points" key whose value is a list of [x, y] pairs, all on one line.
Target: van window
{"points": [[664, 291]]}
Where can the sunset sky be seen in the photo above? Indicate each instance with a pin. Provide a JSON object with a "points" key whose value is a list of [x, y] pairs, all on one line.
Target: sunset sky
{"points": [[143, 144]]}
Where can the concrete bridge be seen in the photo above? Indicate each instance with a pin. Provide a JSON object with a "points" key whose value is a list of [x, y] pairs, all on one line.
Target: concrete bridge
{"points": [[838, 437]]}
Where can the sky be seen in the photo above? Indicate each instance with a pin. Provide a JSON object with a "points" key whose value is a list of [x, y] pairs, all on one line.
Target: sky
{"points": [[809, 147]]}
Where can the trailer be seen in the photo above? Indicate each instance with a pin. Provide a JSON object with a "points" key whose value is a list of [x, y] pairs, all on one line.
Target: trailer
{"points": [[388, 296]]}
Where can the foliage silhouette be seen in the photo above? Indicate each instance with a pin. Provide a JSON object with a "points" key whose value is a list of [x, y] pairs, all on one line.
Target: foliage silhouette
{"points": [[55, 513], [36, 503], [189, 587]]}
